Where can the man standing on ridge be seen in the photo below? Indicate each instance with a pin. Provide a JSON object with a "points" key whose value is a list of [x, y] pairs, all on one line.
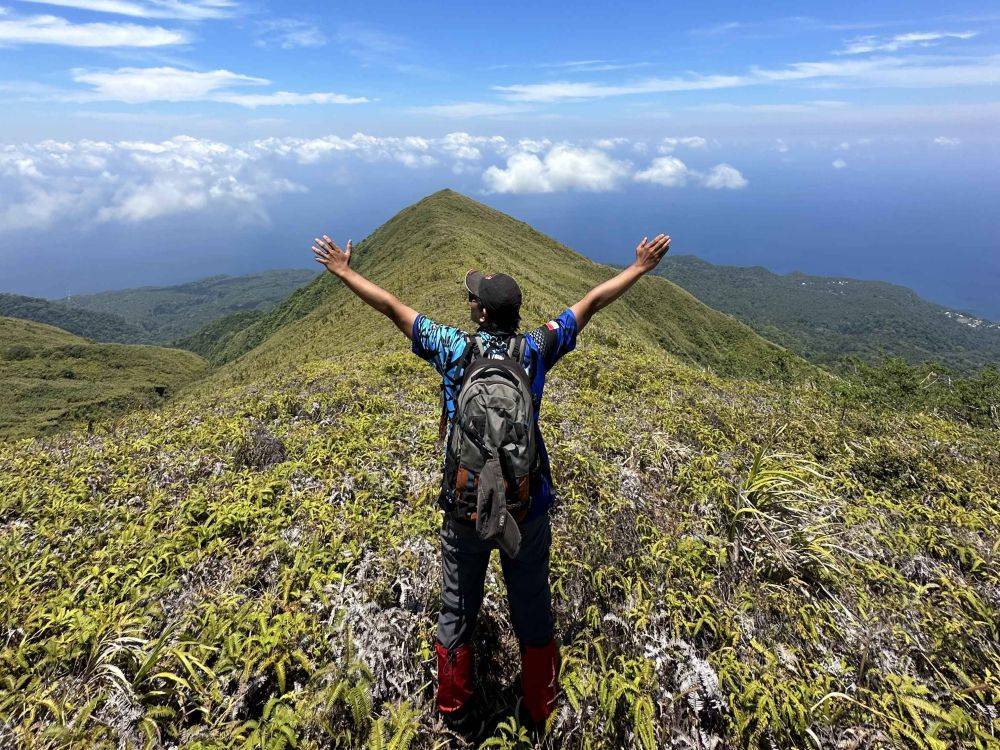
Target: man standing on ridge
{"points": [[514, 500]]}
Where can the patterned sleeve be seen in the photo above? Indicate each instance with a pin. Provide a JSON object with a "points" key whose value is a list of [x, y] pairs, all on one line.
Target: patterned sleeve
{"points": [[556, 338], [436, 343]]}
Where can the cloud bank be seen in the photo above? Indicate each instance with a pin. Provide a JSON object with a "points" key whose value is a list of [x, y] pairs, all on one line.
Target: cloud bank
{"points": [[129, 182]]}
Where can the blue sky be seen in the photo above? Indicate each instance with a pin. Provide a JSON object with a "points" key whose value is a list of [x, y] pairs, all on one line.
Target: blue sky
{"points": [[154, 141]]}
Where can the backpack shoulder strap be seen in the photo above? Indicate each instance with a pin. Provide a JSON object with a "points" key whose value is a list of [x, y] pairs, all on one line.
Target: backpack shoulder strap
{"points": [[516, 346]]}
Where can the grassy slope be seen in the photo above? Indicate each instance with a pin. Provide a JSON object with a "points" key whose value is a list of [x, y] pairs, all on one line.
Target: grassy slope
{"points": [[422, 254], [211, 340], [826, 318], [99, 326], [167, 313], [259, 560], [55, 380]]}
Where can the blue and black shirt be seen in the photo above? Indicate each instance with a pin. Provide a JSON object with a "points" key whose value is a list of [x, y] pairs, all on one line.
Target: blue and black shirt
{"points": [[444, 346]]}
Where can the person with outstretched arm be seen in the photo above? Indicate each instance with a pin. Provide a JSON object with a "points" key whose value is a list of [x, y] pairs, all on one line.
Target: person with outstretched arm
{"points": [[496, 482]]}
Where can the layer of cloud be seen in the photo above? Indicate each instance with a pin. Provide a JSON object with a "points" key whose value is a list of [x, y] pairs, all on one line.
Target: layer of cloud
{"points": [[943, 140], [867, 44], [92, 182], [58, 31], [896, 72], [839, 164], [167, 84], [130, 182], [186, 10]]}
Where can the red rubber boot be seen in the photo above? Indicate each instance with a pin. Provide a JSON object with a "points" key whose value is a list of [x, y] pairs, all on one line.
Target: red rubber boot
{"points": [[454, 679], [539, 679]]}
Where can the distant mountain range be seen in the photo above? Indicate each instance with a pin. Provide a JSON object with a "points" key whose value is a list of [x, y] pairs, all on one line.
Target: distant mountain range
{"points": [[166, 313], [825, 318]]}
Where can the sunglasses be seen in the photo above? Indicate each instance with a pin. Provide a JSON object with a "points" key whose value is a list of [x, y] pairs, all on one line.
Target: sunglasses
{"points": [[473, 298]]}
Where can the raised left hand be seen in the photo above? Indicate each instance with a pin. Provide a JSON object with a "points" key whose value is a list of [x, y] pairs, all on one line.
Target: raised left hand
{"points": [[328, 254]]}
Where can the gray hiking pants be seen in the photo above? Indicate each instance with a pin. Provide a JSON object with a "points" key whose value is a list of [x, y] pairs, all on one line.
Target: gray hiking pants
{"points": [[464, 559]]}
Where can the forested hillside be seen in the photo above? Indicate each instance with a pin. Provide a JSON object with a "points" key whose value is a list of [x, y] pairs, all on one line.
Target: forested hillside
{"points": [[167, 313], [99, 326], [745, 554], [826, 319]]}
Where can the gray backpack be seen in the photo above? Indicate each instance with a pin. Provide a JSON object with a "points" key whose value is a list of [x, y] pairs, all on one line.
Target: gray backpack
{"points": [[491, 453]]}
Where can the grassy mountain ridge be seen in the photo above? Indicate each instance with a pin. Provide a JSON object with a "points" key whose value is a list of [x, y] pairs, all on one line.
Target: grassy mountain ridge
{"points": [[99, 326], [167, 313], [736, 562], [827, 318], [421, 255], [52, 380]]}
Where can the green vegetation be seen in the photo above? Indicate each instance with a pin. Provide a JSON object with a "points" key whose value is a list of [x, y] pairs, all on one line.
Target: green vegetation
{"points": [[212, 339], [826, 319], [99, 326], [167, 313], [764, 562], [52, 380]]}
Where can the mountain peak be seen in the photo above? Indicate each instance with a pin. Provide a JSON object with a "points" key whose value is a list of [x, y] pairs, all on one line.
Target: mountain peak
{"points": [[421, 255]]}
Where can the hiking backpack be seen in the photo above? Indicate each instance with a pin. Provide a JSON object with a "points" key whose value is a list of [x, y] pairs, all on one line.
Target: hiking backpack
{"points": [[494, 423]]}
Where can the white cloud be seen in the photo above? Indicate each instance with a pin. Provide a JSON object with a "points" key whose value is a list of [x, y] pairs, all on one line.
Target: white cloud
{"points": [[186, 10], [289, 33], [562, 168], [533, 146], [59, 31], [668, 145], [724, 177], [897, 72], [468, 147], [839, 163], [609, 144], [670, 171], [943, 140], [593, 66], [865, 44], [780, 146], [282, 98], [470, 109], [666, 170], [141, 85]]}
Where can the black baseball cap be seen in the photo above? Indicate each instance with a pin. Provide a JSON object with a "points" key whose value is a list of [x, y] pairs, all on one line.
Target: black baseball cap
{"points": [[498, 292]]}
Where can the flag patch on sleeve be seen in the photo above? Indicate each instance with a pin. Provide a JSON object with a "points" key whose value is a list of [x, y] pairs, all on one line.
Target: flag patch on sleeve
{"points": [[552, 325]]}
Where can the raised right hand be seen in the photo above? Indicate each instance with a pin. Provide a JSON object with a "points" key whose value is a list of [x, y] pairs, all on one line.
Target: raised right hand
{"points": [[649, 254]]}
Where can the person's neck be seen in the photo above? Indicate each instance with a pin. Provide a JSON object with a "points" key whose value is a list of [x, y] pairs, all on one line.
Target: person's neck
{"points": [[493, 330]]}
